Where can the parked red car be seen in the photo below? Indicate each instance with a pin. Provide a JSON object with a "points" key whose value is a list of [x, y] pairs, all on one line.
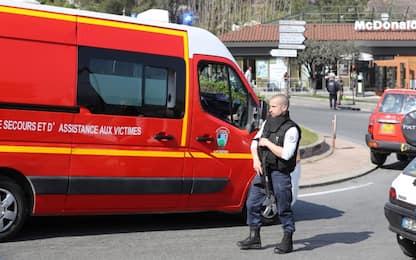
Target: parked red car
{"points": [[385, 126]]}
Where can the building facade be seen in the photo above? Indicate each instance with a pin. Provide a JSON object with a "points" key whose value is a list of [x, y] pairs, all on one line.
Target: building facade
{"points": [[387, 54]]}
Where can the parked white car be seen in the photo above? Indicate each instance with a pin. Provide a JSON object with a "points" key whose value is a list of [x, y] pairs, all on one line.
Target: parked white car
{"points": [[400, 210]]}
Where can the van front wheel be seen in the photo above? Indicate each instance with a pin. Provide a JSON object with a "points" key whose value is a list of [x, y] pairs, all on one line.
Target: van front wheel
{"points": [[13, 208]]}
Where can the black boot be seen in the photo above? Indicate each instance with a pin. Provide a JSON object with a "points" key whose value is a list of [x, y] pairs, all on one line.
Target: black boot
{"points": [[286, 245], [252, 241]]}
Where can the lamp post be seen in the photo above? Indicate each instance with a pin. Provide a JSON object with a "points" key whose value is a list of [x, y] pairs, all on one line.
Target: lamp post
{"points": [[352, 77]]}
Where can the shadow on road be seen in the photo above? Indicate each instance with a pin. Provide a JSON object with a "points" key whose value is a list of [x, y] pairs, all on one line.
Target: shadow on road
{"points": [[395, 166], [305, 211], [332, 238], [67, 226]]}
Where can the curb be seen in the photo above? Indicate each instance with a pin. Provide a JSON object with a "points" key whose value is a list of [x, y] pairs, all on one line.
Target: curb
{"points": [[358, 174], [314, 151], [318, 157], [311, 150], [321, 150], [349, 108]]}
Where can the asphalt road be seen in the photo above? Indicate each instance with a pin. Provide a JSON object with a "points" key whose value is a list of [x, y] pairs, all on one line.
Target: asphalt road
{"points": [[350, 125], [341, 221]]}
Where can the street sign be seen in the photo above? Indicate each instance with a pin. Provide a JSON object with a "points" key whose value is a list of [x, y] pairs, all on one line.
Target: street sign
{"points": [[291, 35], [283, 53], [292, 22], [291, 29], [292, 46], [291, 38]]}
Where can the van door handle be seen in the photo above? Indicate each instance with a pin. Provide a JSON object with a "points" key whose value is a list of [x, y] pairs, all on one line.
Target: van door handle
{"points": [[163, 137], [206, 139]]}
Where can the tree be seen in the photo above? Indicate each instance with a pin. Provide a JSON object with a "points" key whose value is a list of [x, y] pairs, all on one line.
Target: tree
{"points": [[218, 16], [120, 7], [320, 53], [62, 3]]}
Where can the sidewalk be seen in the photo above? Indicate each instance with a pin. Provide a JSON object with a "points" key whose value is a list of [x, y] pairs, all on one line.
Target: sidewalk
{"points": [[348, 160]]}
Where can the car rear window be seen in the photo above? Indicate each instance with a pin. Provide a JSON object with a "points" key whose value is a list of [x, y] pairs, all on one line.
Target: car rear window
{"points": [[410, 168], [398, 103], [409, 103]]}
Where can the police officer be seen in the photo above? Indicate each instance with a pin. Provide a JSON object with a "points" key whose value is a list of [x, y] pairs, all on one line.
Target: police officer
{"points": [[274, 151], [333, 87]]}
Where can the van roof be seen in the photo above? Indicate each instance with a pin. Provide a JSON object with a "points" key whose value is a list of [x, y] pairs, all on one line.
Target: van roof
{"points": [[200, 41]]}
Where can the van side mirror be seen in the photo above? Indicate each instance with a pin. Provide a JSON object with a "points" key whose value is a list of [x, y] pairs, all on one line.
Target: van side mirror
{"points": [[260, 115], [264, 109]]}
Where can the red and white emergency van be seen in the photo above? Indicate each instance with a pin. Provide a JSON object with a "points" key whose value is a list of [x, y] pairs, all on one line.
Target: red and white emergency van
{"points": [[105, 114]]}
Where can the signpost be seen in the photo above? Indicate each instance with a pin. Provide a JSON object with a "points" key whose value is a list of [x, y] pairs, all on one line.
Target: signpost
{"points": [[283, 53], [292, 38], [291, 35], [292, 46], [292, 22], [291, 29]]}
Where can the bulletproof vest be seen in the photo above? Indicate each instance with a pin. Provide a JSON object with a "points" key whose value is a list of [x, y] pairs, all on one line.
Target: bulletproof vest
{"points": [[275, 131]]}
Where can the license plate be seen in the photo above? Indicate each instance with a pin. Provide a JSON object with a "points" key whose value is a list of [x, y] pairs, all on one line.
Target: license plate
{"points": [[387, 128], [408, 223]]}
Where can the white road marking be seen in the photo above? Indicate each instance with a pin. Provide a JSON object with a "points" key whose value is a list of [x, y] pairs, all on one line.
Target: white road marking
{"points": [[334, 191]]}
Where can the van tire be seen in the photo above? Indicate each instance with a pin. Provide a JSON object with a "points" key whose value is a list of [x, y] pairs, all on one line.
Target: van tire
{"points": [[378, 158], [16, 208], [407, 246]]}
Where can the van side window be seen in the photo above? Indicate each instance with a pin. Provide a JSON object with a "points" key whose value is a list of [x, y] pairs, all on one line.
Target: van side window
{"points": [[222, 93], [131, 84]]}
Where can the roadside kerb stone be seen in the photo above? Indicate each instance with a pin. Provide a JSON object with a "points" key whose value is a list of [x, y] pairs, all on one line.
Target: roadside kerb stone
{"points": [[315, 151], [344, 162], [349, 108]]}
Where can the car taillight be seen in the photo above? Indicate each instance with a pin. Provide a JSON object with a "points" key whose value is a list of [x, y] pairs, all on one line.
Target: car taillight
{"points": [[370, 128], [392, 194], [371, 125]]}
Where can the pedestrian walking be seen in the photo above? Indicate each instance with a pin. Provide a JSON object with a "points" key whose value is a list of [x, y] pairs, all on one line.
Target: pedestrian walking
{"points": [[274, 150], [332, 87], [248, 74]]}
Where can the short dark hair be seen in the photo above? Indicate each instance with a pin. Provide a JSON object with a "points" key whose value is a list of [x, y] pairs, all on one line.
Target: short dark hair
{"points": [[284, 99]]}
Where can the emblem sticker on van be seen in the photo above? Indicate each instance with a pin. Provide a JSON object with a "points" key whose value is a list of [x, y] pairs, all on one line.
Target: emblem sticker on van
{"points": [[222, 137]]}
